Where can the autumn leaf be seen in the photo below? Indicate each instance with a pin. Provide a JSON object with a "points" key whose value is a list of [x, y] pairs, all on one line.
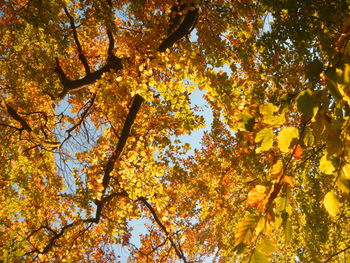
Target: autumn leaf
{"points": [[346, 171], [326, 165], [267, 109], [276, 170], [285, 137], [298, 152], [257, 195], [309, 138], [265, 137], [184, 118], [245, 230], [288, 180], [331, 203], [306, 103], [262, 252]]}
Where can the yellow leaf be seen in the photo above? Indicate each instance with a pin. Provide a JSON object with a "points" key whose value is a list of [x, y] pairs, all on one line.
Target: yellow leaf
{"points": [[346, 171], [331, 203], [276, 169], [265, 137], [267, 109], [285, 138], [326, 166], [260, 225]]}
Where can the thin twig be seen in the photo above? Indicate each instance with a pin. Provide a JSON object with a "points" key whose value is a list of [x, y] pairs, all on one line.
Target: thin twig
{"points": [[336, 254]]}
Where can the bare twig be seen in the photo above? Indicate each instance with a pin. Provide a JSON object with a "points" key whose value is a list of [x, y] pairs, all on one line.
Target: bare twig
{"points": [[81, 120]]}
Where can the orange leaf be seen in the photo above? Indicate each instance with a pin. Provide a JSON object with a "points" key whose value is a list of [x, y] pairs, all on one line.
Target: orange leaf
{"points": [[256, 195], [288, 180], [298, 152]]}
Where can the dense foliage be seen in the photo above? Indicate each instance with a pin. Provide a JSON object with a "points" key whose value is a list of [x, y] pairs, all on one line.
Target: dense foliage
{"points": [[94, 94]]}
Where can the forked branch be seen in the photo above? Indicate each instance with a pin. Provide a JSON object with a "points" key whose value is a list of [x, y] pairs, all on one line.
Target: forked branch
{"points": [[25, 126], [177, 248]]}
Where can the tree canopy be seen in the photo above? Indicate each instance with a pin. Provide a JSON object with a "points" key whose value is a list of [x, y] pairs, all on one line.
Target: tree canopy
{"points": [[94, 96]]}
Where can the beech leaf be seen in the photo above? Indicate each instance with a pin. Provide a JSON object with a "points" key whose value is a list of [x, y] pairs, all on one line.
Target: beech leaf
{"points": [[326, 166], [331, 203]]}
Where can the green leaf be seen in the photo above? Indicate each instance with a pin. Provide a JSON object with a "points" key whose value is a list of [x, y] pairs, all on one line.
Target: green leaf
{"points": [[339, 82], [287, 231], [281, 203], [285, 137], [245, 230], [331, 203], [260, 225], [266, 246], [265, 137], [262, 252], [334, 143], [313, 70], [309, 138], [326, 166], [257, 257], [247, 121], [305, 103]]}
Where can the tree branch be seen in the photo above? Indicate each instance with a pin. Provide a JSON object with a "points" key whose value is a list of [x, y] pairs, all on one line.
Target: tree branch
{"points": [[185, 28], [336, 254], [77, 42], [25, 126], [177, 249], [130, 119], [72, 85], [111, 42], [116, 63], [81, 120]]}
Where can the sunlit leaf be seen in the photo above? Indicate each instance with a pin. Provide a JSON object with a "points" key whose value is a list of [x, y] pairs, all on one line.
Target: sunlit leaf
{"points": [[256, 195], [298, 152], [331, 203], [245, 229], [276, 170], [288, 180], [267, 109], [346, 171], [309, 138], [343, 183], [264, 136], [326, 166], [285, 137]]}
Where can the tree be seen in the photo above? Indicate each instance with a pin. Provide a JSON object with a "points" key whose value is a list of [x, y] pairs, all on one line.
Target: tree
{"points": [[93, 93]]}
